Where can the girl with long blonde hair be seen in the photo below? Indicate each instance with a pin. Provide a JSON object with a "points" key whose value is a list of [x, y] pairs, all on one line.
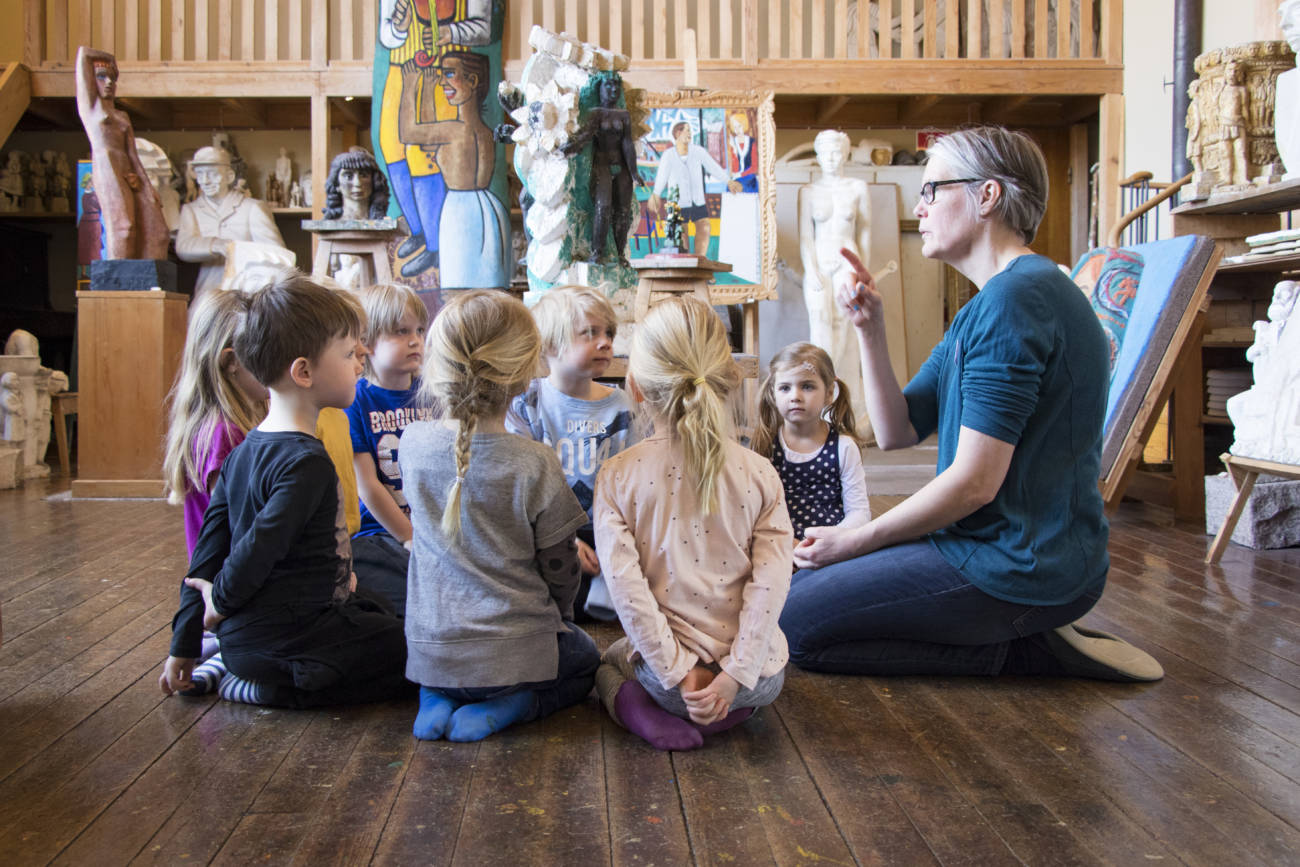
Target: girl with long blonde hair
{"points": [[805, 427], [214, 404], [494, 562], [692, 531]]}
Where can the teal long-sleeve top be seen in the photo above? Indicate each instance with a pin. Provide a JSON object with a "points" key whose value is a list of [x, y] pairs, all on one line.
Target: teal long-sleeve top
{"points": [[1025, 362]]}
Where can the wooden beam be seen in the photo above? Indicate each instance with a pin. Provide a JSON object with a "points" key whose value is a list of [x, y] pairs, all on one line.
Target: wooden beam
{"points": [[249, 108], [829, 106], [59, 113], [352, 111], [15, 96], [1002, 106], [1077, 108], [915, 109], [146, 113]]}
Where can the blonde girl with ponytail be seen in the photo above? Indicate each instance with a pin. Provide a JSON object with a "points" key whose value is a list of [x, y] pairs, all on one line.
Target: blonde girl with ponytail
{"points": [[805, 427], [692, 530], [494, 563]]}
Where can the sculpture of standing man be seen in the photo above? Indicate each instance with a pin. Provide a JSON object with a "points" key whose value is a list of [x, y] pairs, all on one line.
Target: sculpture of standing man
{"points": [[222, 217], [134, 226], [834, 214]]}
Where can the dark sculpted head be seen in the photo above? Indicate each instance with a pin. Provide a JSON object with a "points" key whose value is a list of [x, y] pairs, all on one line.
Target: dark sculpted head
{"points": [[351, 169]]}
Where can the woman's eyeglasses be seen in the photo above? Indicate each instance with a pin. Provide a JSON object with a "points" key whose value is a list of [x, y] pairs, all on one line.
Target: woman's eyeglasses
{"points": [[928, 188]]}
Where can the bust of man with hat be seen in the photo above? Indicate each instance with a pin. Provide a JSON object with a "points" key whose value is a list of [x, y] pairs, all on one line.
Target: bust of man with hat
{"points": [[223, 222]]}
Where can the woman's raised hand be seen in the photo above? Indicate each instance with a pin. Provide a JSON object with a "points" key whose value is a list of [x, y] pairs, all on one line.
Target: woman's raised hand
{"points": [[855, 291]]}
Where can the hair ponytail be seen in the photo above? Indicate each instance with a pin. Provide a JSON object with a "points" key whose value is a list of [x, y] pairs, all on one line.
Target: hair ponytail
{"points": [[681, 361]]}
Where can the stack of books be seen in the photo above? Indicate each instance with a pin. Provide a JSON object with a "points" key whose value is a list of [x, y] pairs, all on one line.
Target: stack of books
{"points": [[1222, 384], [1270, 245]]}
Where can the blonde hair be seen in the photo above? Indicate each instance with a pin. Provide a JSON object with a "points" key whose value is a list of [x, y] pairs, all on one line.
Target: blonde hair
{"points": [[838, 412], [205, 395], [557, 312], [482, 350], [384, 305], [681, 362]]}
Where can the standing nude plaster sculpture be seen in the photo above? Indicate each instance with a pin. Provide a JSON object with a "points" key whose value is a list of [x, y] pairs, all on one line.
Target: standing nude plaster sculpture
{"points": [[834, 214], [134, 226]]}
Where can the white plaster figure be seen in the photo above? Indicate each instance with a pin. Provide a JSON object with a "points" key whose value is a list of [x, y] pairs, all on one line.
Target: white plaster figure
{"points": [[304, 189], [1266, 418], [11, 182], [220, 218], [283, 174], [158, 166], [295, 195], [834, 214], [25, 389], [1286, 108]]}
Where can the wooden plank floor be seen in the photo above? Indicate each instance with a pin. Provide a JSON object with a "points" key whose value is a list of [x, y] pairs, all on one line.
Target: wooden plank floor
{"points": [[96, 767]]}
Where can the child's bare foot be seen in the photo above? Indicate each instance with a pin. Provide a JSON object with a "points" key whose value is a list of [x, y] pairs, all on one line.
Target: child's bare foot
{"points": [[643, 717]]}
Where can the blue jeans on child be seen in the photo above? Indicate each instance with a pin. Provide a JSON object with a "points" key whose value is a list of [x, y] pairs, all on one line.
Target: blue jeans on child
{"points": [[575, 676], [670, 699], [905, 610]]}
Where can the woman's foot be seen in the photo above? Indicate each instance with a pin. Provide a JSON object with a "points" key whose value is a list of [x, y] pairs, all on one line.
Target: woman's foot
{"points": [[642, 716], [1084, 652], [435, 711], [474, 722]]}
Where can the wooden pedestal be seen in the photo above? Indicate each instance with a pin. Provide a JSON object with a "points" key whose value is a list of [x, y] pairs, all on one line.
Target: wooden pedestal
{"points": [[129, 345]]}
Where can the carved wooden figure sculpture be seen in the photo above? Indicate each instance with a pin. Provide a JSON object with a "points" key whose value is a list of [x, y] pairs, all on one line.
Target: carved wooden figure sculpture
{"points": [[134, 226]]}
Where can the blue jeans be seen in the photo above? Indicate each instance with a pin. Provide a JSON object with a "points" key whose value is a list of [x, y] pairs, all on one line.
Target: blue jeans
{"points": [[574, 677], [905, 610]]}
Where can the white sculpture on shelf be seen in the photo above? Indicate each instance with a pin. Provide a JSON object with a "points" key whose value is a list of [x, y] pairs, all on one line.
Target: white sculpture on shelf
{"points": [[25, 412], [283, 174], [1286, 106], [1266, 418], [158, 166], [834, 214]]}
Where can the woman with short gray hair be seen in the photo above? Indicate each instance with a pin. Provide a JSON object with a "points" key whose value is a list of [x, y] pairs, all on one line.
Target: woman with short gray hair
{"points": [[986, 569]]}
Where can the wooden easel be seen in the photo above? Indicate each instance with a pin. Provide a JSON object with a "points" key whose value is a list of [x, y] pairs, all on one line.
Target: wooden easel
{"points": [[1244, 472]]}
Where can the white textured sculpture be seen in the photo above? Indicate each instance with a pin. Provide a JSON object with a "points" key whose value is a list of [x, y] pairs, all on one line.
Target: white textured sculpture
{"points": [[1286, 106], [25, 412], [834, 214], [1266, 418]]}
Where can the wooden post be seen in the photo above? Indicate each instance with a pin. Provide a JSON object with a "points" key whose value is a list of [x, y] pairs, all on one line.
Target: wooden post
{"points": [[320, 141], [749, 33], [320, 31], [1111, 150]]}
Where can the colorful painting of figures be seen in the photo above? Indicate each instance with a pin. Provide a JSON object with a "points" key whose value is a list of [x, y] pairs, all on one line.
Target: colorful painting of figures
{"points": [[709, 157], [437, 64]]}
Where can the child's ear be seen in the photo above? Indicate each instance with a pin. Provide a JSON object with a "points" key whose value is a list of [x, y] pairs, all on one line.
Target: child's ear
{"points": [[635, 390], [226, 360], [300, 372]]}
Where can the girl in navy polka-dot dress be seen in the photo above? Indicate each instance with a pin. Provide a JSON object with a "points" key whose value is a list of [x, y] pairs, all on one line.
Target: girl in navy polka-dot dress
{"points": [[806, 429]]}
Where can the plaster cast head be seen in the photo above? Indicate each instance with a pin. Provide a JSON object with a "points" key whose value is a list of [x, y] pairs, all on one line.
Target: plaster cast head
{"points": [[1284, 300], [213, 171], [355, 189], [1010, 158], [22, 342], [832, 149], [1288, 15]]}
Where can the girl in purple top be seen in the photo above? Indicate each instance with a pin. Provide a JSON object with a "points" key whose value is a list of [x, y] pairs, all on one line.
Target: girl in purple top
{"points": [[214, 403]]}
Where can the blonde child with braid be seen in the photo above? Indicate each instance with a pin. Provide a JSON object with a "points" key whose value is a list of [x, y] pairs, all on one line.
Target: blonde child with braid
{"points": [[693, 535], [494, 563], [805, 427]]}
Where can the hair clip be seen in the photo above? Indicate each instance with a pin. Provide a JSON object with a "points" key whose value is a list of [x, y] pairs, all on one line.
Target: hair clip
{"points": [[700, 380]]}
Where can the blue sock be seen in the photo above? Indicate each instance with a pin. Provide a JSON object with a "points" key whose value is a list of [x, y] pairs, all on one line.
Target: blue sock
{"points": [[206, 676], [235, 688], [435, 711], [473, 722]]}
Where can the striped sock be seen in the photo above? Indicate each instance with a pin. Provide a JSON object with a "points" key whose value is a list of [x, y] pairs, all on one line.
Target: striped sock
{"points": [[207, 675], [235, 688]]}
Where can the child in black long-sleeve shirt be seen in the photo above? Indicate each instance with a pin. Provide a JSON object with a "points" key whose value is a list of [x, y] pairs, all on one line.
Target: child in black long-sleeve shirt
{"points": [[271, 571]]}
